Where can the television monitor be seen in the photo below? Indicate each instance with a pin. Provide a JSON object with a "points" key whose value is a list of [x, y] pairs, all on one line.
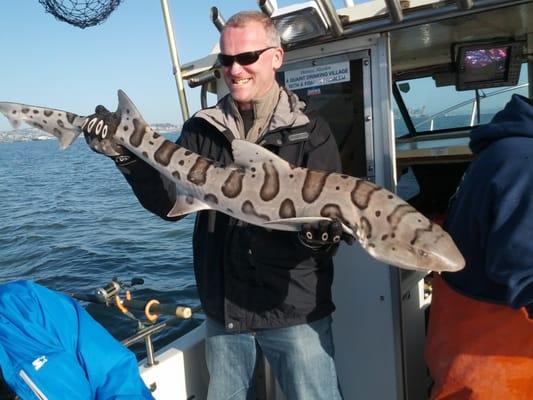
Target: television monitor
{"points": [[484, 65]]}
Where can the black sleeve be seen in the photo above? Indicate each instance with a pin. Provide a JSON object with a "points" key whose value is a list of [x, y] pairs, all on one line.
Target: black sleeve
{"points": [[154, 191]]}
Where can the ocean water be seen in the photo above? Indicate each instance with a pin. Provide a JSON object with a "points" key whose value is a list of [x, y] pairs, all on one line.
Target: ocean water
{"points": [[69, 221]]}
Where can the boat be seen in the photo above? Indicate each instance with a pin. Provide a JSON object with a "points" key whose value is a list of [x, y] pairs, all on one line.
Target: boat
{"points": [[459, 62]]}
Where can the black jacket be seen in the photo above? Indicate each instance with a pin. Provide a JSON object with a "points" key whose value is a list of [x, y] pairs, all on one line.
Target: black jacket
{"points": [[250, 277]]}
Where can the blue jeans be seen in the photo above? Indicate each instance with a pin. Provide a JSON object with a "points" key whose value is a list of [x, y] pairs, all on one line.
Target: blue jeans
{"points": [[301, 357]]}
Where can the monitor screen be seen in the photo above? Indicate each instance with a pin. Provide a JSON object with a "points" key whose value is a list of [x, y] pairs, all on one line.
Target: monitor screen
{"points": [[486, 65]]}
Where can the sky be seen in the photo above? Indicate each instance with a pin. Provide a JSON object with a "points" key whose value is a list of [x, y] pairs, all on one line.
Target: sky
{"points": [[50, 63]]}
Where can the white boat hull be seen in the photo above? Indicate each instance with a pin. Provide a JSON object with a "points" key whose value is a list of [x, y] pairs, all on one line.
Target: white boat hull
{"points": [[180, 372]]}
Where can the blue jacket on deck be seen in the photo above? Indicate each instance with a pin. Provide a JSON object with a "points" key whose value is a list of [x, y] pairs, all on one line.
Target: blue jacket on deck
{"points": [[491, 218], [50, 347]]}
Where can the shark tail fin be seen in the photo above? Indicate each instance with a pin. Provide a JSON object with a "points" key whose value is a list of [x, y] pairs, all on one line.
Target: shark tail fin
{"points": [[65, 126], [14, 120], [15, 123]]}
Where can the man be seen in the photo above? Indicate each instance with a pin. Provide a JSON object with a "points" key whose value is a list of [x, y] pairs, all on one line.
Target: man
{"points": [[480, 335], [261, 290]]}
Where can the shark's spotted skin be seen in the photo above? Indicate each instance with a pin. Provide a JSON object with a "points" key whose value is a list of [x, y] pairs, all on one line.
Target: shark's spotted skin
{"points": [[287, 209], [164, 153], [313, 185], [249, 209], [211, 198], [232, 186], [198, 173], [262, 189], [362, 193], [270, 188]]}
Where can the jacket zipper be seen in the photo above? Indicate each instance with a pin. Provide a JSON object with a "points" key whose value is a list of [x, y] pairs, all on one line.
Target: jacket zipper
{"points": [[33, 387]]}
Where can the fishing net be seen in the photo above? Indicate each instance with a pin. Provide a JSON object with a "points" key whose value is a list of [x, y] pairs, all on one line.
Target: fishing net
{"points": [[82, 13]]}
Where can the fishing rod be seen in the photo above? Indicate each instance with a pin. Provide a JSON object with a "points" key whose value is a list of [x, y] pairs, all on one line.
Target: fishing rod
{"points": [[110, 295]]}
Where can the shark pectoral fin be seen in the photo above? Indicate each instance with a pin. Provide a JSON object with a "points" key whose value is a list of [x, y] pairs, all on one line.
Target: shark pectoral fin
{"points": [[247, 154], [185, 204]]}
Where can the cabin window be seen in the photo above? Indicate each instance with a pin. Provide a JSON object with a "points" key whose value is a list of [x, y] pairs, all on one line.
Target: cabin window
{"points": [[429, 108]]}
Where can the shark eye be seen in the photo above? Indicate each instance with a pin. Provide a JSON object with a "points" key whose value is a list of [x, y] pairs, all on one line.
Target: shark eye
{"points": [[104, 131], [324, 237]]}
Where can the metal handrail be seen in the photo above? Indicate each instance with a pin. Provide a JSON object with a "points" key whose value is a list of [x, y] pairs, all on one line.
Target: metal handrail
{"points": [[176, 67], [423, 16], [431, 118]]}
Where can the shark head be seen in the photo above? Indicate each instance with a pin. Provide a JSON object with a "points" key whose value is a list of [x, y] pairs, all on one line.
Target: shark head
{"points": [[417, 244]]}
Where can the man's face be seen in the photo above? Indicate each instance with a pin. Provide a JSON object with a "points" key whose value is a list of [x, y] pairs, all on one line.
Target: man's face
{"points": [[249, 82]]}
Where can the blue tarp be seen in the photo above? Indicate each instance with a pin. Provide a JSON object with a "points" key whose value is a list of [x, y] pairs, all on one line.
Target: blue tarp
{"points": [[51, 347]]}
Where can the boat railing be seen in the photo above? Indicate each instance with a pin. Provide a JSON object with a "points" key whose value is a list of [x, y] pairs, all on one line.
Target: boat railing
{"points": [[475, 101]]}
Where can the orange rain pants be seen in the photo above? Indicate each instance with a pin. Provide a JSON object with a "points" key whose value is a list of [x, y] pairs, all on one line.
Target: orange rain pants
{"points": [[478, 350]]}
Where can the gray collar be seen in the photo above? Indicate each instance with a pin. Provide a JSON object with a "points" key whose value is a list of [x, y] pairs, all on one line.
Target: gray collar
{"points": [[288, 113]]}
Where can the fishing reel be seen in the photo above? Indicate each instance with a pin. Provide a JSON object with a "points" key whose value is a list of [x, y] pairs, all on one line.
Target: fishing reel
{"points": [[111, 295], [109, 292]]}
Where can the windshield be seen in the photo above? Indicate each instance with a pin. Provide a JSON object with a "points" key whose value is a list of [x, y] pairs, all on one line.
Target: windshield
{"points": [[431, 108]]}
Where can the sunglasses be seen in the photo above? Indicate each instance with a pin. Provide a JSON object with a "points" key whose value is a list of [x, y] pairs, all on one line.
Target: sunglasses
{"points": [[242, 58]]}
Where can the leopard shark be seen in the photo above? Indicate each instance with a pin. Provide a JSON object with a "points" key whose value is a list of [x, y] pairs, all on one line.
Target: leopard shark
{"points": [[262, 189]]}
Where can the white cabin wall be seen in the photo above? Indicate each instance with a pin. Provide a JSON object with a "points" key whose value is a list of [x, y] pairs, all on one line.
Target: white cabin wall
{"points": [[378, 333], [367, 328]]}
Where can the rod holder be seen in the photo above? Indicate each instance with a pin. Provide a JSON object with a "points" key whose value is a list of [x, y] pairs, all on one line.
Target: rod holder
{"points": [[217, 19], [204, 78], [266, 6], [395, 10], [331, 16]]}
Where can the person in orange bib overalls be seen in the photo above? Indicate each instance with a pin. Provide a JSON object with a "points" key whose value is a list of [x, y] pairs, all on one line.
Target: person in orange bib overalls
{"points": [[480, 333]]}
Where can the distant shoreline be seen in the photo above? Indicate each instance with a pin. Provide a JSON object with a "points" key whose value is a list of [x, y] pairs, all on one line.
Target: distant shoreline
{"points": [[34, 135]]}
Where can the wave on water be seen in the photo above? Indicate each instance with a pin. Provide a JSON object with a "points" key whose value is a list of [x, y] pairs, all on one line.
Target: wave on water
{"points": [[70, 222]]}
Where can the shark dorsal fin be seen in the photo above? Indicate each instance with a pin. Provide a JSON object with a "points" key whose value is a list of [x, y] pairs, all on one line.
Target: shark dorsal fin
{"points": [[247, 154], [126, 106]]}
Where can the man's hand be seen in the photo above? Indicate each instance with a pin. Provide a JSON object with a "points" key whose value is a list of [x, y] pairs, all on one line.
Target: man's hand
{"points": [[99, 131], [323, 233]]}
